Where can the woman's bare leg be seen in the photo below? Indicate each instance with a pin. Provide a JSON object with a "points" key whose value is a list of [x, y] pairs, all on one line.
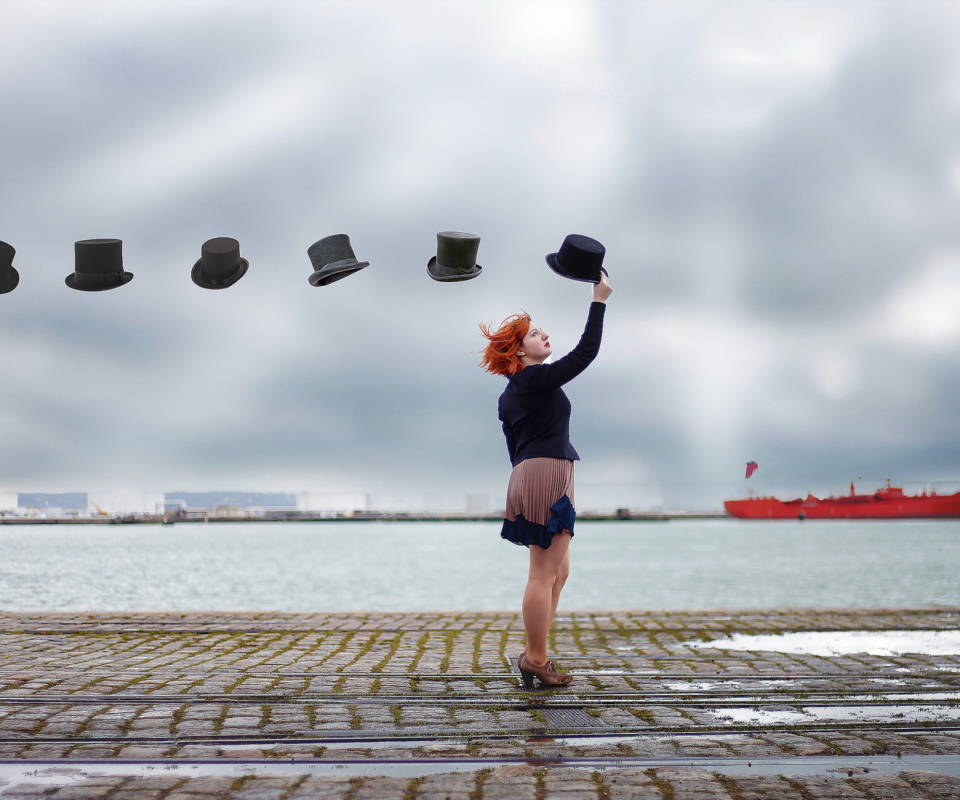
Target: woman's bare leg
{"points": [[562, 576], [548, 571]]}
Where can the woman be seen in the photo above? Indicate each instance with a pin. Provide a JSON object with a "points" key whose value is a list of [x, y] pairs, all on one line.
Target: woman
{"points": [[536, 422]]}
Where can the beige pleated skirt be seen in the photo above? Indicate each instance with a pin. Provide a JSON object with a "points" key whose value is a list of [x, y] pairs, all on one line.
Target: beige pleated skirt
{"points": [[539, 501]]}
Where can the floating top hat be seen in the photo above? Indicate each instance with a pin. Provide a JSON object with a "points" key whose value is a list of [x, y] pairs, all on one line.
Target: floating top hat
{"points": [[220, 264], [99, 266], [580, 259], [456, 258], [333, 259], [9, 277]]}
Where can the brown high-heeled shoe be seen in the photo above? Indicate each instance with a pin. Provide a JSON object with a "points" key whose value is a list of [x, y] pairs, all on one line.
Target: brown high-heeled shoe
{"points": [[548, 673]]}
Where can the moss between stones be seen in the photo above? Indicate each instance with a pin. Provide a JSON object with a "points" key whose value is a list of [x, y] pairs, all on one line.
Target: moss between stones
{"points": [[421, 649], [449, 640], [729, 785], [394, 645], [643, 714], [396, 714], [480, 778], [603, 791], [365, 648], [356, 721], [665, 787], [540, 775], [221, 718], [413, 788]]}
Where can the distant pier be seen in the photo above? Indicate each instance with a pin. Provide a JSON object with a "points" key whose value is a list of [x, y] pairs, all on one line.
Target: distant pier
{"points": [[621, 515]]}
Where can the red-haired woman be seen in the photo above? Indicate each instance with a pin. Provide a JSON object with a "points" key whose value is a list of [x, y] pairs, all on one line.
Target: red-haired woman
{"points": [[535, 414]]}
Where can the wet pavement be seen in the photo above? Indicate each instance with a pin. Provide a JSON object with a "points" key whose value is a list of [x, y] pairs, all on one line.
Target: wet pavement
{"points": [[424, 706]]}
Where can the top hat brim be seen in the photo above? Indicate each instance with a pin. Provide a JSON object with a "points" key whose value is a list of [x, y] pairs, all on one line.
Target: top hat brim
{"points": [[196, 274], [555, 266], [332, 273], [71, 281], [451, 277], [11, 282]]}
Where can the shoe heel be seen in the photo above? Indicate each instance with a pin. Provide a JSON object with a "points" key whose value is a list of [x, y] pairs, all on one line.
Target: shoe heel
{"points": [[528, 678]]}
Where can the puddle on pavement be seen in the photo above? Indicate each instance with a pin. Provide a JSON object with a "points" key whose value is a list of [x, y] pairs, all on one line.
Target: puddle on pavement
{"points": [[904, 714], [756, 687], [11, 774], [310, 737], [707, 686], [698, 686], [602, 671], [841, 643]]}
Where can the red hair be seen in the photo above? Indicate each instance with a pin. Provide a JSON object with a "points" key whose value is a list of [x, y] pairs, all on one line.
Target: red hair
{"points": [[500, 355]]}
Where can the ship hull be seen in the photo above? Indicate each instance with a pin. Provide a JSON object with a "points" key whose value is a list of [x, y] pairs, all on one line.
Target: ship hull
{"points": [[851, 507]]}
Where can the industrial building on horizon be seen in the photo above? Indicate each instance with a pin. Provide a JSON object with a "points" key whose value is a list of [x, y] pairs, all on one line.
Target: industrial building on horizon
{"points": [[233, 503]]}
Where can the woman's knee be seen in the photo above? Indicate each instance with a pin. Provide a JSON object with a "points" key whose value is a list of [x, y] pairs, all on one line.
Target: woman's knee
{"points": [[542, 580], [549, 564], [552, 580]]}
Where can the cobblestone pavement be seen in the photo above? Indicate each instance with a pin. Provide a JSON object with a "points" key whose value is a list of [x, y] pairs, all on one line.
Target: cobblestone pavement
{"points": [[425, 706]]}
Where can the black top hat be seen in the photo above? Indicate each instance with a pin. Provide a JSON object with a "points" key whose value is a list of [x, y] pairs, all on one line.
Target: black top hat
{"points": [[99, 266], [456, 258], [333, 259], [9, 277], [220, 264], [580, 259]]}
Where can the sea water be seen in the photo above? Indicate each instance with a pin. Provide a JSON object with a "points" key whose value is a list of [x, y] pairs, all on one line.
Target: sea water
{"points": [[408, 566]]}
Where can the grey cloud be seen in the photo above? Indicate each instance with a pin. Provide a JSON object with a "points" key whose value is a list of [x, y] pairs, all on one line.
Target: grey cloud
{"points": [[800, 222], [840, 195], [859, 193]]}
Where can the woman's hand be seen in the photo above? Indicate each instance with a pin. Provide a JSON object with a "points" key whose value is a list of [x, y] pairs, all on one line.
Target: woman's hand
{"points": [[602, 290]]}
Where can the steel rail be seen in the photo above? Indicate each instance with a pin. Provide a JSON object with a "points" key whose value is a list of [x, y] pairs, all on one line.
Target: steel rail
{"points": [[677, 761], [681, 636], [923, 672], [409, 767], [536, 735], [578, 699]]}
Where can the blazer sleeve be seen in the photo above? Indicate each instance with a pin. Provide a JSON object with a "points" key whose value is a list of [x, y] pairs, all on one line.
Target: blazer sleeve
{"points": [[547, 377], [511, 441]]}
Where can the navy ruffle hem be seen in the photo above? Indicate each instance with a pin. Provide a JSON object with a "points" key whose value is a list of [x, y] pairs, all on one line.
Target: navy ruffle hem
{"points": [[523, 532]]}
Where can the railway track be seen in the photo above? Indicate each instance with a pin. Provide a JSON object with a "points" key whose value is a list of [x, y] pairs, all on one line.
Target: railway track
{"points": [[694, 714], [523, 699]]}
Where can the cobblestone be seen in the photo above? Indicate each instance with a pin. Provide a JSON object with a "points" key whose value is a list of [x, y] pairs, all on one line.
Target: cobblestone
{"points": [[331, 691]]}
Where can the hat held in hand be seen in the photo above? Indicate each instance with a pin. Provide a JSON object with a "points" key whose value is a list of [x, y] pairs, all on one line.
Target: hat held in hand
{"points": [[9, 277], [220, 264], [456, 258], [98, 265], [333, 259], [580, 258]]}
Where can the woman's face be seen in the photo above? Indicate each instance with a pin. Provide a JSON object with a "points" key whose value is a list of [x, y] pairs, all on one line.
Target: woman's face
{"points": [[535, 347]]}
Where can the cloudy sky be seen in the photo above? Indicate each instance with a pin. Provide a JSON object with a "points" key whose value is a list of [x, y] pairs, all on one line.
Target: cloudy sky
{"points": [[777, 184]]}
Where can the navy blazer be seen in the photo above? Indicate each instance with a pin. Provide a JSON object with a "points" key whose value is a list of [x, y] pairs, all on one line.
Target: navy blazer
{"points": [[534, 410]]}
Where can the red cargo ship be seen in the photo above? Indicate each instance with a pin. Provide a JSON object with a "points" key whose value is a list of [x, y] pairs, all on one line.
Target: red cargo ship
{"points": [[886, 503]]}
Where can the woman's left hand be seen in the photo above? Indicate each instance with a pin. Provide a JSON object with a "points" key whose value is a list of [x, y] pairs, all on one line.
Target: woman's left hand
{"points": [[602, 290]]}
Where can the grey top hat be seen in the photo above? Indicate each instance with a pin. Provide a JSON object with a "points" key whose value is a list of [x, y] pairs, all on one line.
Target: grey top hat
{"points": [[333, 259], [456, 258], [9, 277], [99, 265], [220, 264]]}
